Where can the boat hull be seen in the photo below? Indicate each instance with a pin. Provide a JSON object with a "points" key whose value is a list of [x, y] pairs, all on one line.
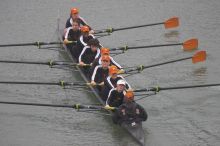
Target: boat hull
{"points": [[136, 132]]}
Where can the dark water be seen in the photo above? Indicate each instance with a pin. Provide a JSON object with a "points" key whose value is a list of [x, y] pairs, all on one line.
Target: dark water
{"points": [[186, 117]]}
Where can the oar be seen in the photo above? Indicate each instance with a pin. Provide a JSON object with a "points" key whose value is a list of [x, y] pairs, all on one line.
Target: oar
{"points": [[157, 89], [188, 45], [60, 83], [170, 23], [197, 57], [50, 63], [38, 44], [74, 106]]}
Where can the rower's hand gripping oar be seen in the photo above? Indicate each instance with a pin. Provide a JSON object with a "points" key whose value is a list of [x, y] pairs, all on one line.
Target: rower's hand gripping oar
{"points": [[157, 89], [49, 63], [188, 45], [170, 23], [38, 44], [197, 57]]}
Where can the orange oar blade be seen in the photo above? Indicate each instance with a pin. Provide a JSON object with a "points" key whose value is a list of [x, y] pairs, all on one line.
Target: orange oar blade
{"points": [[171, 23], [190, 45], [199, 57]]}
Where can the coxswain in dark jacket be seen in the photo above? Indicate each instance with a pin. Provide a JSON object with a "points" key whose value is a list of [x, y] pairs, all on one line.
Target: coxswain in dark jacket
{"points": [[111, 81], [105, 51], [129, 112], [116, 95], [72, 34], [83, 39], [74, 15]]}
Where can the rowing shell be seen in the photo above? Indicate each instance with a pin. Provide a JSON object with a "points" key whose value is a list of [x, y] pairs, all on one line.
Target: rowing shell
{"points": [[136, 131]]}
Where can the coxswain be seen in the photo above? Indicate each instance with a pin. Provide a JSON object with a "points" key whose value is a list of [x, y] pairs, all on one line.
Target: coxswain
{"points": [[116, 95], [105, 51], [111, 81], [73, 33], [129, 112], [83, 39], [74, 15], [89, 52], [100, 72]]}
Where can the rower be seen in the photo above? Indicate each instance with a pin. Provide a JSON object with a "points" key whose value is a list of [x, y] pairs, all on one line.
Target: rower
{"points": [[90, 52], [129, 112], [73, 33], [111, 81], [105, 51], [74, 15], [116, 95], [100, 72], [84, 39]]}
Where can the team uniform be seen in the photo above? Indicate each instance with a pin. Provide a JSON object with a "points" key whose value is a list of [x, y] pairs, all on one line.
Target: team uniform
{"points": [[87, 55], [69, 22], [82, 42], [99, 74], [110, 83], [115, 98], [72, 35]]}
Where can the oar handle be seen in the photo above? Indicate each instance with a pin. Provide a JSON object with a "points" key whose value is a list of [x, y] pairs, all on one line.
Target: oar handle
{"points": [[53, 43], [79, 106], [108, 30], [147, 89]]}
